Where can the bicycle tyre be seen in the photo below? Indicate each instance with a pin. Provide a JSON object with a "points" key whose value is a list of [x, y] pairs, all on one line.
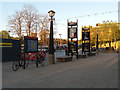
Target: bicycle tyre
{"points": [[26, 63], [15, 65], [40, 60]]}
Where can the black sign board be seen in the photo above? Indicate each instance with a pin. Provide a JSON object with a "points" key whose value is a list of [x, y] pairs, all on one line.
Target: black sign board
{"points": [[30, 44], [85, 39], [73, 38], [85, 35], [86, 47]]}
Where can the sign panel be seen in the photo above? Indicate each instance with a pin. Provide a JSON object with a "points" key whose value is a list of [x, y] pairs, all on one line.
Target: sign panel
{"points": [[86, 47], [34, 34], [73, 32], [85, 29], [85, 35], [30, 44], [5, 44], [85, 39], [72, 23]]}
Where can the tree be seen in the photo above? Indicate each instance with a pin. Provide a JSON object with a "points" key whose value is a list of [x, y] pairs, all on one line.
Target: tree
{"points": [[4, 34], [29, 22], [43, 26], [30, 18], [107, 32], [15, 23]]}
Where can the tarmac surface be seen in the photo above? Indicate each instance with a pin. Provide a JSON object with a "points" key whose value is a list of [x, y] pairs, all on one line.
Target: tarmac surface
{"points": [[100, 71]]}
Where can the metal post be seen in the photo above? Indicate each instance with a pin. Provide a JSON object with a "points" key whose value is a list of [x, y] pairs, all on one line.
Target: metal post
{"points": [[77, 40], [24, 61], [60, 40], [51, 44], [68, 38], [97, 42]]}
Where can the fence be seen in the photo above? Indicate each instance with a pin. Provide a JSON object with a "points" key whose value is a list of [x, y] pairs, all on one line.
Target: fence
{"points": [[10, 49]]}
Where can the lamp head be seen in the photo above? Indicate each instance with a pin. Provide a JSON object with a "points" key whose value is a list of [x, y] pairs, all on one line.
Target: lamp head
{"points": [[51, 13]]}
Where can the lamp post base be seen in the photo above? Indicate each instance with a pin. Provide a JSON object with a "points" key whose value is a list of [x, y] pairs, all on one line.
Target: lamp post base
{"points": [[51, 59]]}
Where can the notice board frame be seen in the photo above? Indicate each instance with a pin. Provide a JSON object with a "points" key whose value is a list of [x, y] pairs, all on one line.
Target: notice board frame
{"points": [[26, 38]]}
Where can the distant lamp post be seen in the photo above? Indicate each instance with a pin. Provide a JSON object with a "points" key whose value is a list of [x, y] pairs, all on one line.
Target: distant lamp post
{"points": [[51, 40], [8, 34], [98, 24], [60, 41]]}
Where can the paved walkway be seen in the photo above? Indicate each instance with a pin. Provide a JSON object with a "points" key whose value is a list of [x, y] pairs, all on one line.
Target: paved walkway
{"points": [[100, 71]]}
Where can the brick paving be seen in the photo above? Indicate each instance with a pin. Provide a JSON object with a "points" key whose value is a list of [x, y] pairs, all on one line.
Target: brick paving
{"points": [[100, 71]]}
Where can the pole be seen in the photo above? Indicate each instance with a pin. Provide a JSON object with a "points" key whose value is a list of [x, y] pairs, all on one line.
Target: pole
{"points": [[51, 45], [60, 40], [97, 42], [68, 38], [77, 40]]}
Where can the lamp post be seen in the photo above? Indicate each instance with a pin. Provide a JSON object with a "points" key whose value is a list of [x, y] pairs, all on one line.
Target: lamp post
{"points": [[60, 41], [97, 41], [8, 34], [98, 24], [51, 40]]}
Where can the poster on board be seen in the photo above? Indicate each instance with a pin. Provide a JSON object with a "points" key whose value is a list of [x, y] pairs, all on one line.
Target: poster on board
{"points": [[30, 44]]}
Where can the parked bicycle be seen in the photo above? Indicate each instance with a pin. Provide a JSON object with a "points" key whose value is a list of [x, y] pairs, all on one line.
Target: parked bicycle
{"points": [[19, 62], [39, 60]]}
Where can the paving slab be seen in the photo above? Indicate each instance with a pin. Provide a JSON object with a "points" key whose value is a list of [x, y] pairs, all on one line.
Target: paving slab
{"points": [[100, 71]]}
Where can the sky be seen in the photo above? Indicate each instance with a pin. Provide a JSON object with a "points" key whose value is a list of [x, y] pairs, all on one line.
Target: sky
{"points": [[87, 13]]}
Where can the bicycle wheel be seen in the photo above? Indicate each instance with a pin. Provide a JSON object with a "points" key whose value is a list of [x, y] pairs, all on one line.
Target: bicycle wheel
{"points": [[40, 60], [26, 63], [15, 65]]}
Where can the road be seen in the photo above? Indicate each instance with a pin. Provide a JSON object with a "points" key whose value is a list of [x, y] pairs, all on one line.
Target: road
{"points": [[100, 71]]}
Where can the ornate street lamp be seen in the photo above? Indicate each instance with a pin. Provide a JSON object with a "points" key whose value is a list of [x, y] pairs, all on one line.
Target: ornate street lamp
{"points": [[51, 40]]}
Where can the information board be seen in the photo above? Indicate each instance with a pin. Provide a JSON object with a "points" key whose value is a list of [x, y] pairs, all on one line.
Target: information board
{"points": [[85, 35], [30, 44], [73, 32], [73, 38], [85, 40]]}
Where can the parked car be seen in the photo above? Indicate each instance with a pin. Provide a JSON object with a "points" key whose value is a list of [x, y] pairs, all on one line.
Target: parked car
{"points": [[43, 48], [107, 48], [100, 49], [117, 51], [64, 45], [93, 48]]}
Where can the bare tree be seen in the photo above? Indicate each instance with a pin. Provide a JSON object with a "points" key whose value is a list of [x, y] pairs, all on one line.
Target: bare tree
{"points": [[29, 21], [30, 18], [43, 26], [15, 23]]}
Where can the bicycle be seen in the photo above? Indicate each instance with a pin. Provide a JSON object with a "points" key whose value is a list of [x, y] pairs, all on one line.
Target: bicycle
{"points": [[19, 62], [39, 60]]}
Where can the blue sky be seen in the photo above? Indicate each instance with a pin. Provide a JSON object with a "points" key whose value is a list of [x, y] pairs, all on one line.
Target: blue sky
{"points": [[64, 11]]}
